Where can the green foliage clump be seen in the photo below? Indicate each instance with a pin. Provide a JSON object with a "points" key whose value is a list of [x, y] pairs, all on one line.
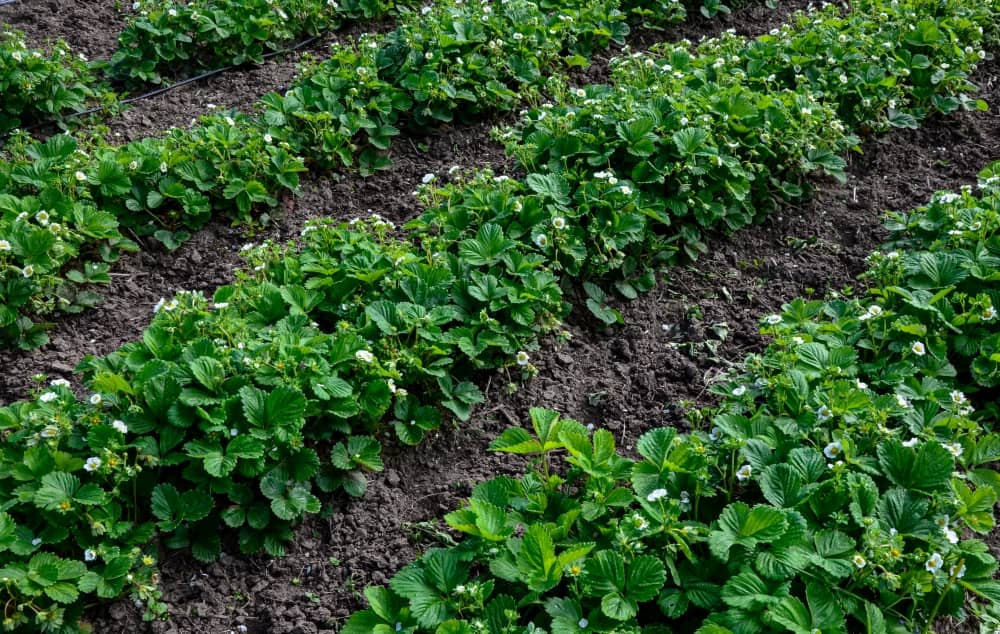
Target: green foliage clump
{"points": [[843, 485], [38, 86]]}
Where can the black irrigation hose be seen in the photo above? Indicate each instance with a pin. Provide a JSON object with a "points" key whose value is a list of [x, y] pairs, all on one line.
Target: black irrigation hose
{"points": [[160, 91]]}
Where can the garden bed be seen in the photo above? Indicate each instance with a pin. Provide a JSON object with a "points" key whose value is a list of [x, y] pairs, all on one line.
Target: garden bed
{"points": [[626, 379]]}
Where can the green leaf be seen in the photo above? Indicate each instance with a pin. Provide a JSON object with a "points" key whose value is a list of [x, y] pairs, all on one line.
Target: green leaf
{"points": [[208, 372], [282, 407], [748, 591], [781, 486], [738, 524], [826, 612], [604, 573], [486, 248], [689, 140], [926, 469], [646, 575], [537, 559], [62, 592], [551, 185], [792, 614]]}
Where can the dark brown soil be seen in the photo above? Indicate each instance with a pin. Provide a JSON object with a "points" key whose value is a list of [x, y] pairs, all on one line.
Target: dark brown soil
{"points": [[90, 27], [627, 379]]}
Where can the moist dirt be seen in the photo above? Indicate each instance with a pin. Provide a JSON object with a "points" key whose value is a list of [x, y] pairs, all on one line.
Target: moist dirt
{"points": [[699, 321]]}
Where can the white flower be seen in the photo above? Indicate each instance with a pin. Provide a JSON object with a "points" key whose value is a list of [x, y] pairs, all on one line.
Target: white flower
{"points": [[951, 536], [715, 434], [861, 384], [59, 383], [656, 494], [95, 399], [626, 190], [772, 320], [833, 450], [89, 555], [4, 245], [93, 464], [918, 348], [48, 397], [522, 357], [80, 176], [220, 305], [825, 413], [364, 355], [518, 36], [43, 216], [902, 401], [740, 391], [934, 564], [743, 474], [892, 255], [55, 228], [640, 522], [50, 431], [428, 55], [798, 340], [159, 305], [233, 433], [912, 442], [542, 240], [28, 271], [120, 426], [958, 398], [873, 311], [172, 13], [268, 138], [859, 561], [583, 623], [989, 313], [614, 181], [36, 541], [559, 223], [392, 385], [427, 178], [955, 449], [163, 167], [957, 572]]}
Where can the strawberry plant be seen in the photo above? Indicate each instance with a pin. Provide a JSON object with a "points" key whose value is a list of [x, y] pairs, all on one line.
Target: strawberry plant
{"points": [[39, 85], [884, 65], [167, 37]]}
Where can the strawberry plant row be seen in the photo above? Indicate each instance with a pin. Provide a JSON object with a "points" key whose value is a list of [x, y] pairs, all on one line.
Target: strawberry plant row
{"points": [[168, 38], [347, 110], [165, 40], [64, 202], [214, 33], [843, 485], [714, 138], [236, 410]]}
